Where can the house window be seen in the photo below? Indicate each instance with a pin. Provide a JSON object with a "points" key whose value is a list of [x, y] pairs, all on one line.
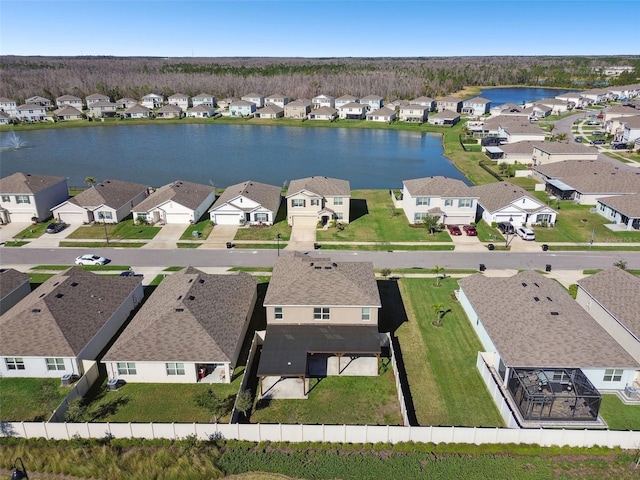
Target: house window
{"points": [[543, 218], [339, 215], [338, 201], [6, 198], [448, 202], [105, 215], [23, 199], [277, 313], [175, 368], [420, 216], [423, 201], [611, 375], [315, 202], [126, 368], [366, 313], [14, 363], [262, 217], [464, 202], [55, 363], [321, 313], [297, 202]]}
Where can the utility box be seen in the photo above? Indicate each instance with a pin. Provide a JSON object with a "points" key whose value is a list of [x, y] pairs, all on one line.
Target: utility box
{"points": [[114, 384]]}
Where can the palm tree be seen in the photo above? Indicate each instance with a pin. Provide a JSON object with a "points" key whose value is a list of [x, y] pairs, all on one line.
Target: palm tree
{"points": [[439, 310], [437, 269], [90, 181]]}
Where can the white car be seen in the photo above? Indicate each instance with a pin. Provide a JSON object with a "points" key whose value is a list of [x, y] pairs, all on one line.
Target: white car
{"points": [[525, 233], [91, 259]]}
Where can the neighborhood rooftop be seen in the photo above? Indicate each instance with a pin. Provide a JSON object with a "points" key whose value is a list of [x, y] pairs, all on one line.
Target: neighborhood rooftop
{"points": [[324, 186], [22, 183], [113, 193], [261, 193], [442, 186], [187, 194], [593, 176]]}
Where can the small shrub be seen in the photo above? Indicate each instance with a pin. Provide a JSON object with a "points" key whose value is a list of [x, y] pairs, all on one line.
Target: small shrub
{"points": [[573, 290]]}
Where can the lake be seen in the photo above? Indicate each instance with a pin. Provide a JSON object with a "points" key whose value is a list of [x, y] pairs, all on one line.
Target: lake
{"points": [[227, 154], [518, 95]]}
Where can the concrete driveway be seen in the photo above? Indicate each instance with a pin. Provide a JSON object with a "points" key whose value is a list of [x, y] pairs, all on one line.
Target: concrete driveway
{"points": [[167, 236], [52, 239], [10, 230], [302, 237], [466, 243], [220, 235]]}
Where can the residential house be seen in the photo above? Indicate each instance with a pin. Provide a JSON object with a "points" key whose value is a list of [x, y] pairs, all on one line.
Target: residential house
{"points": [[623, 210], [69, 319], [191, 329], [513, 153], [225, 103], [69, 101], [324, 113], [397, 104], [68, 113], [618, 111], [202, 110], [322, 320], [612, 298], [242, 108], [38, 100], [508, 110], [138, 111], [270, 111], [277, 99], [247, 203], [353, 111], [14, 286], [476, 106], [506, 202], [515, 129], [110, 201], [537, 111], [551, 357], [125, 103], [428, 102], [344, 100], [179, 99], [373, 102], [254, 98], [169, 111], [297, 109], [596, 95], [449, 103], [152, 100], [102, 109], [573, 99], [96, 97], [5, 118], [8, 106], [414, 113], [204, 99], [444, 117], [179, 203], [323, 101], [552, 152], [451, 201], [384, 114], [314, 200], [24, 196], [585, 181], [31, 112], [631, 131], [558, 107]]}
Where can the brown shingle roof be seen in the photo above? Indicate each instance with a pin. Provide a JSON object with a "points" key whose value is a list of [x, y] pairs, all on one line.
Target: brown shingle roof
{"points": [[555, 148], [593, 176], [526, 333], [25, 183], [191, 316], [187, 194], [137, 108], [63, 314], [264, 194], [112, 193], [323, 186], [494, 196], [439, 186], [628, 205], [298, 279], [10, 279]]}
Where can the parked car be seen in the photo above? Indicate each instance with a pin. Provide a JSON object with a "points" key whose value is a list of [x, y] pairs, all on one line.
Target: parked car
{"points": [[598, 141], [578, 139], [454, 229], [598, 132], [579, 107], [593, 122], [55, 227], [505, 228], [525, 233], [470, 230], [600, 115], [130, 273], [91, 259], [618, 145]]}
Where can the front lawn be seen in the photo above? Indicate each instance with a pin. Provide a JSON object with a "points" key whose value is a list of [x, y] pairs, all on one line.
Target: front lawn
{"points": [[203, 226], [33, 231], [374, 219], [30, 399], [119, 231], [441, 361], [263, 233], [618, 415], [387, 247]]}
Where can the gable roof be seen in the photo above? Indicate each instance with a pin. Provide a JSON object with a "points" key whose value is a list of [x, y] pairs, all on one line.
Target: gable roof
{"points": [[112, 193], [383, 111], [271, 108], [376, 98], [177, 96], [298, 103], [191, 316], [519, 125], [560, 148], [298, 279], [188, 194], [264, 194], [10, 279], [325, 111], [593, 176], [422, 100], [25, 183], [63, 314], [170, 108], [445, 115], [494, 196], [438, 186], [98, 96], [137, 108], [628, 205], [618, 292], [67, 98], [323, 186], [67, 110], [474, 100], [530, 335]]}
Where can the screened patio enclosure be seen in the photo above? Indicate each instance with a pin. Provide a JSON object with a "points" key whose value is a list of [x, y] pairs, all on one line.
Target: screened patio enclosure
{"points": [[554, 394]]}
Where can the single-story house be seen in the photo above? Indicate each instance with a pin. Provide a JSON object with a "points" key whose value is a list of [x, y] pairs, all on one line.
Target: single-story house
{"points": [[344, 100], [68, 113], [202, 110], [508, 110], [125, 103], [428, 102], [110, 201], [373, 102], [96, 97], [31, 112], [537, 111], [5, 118], [152, 100], [621, 210], [353, 111], [169, 111], [270, 110], [277, 99], [203, 99], [14, 286], [444, 117], [477, 106], [552, 152], [100, 109], [506, 202], [324, 113], [247, 203], [512, 153], [383, 114], [178, 203], [71, 317], [69, 101], [318, 199], [617, 111], [448, 199], [516, 129], [242, 108], [23, 196], [320, 101], [8, 106], [414, 113], [449, 103], [557, 107], [190, 330], [38, 100], [254, 98], [179, 99], [138, 111], [297, 109]]}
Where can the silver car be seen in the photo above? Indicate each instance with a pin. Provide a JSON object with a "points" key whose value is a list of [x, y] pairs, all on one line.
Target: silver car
{"points": [[91, 259], [525, 233]]}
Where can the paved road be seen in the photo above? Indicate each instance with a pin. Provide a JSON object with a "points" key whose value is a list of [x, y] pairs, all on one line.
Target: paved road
{"points": [[266, 258]]}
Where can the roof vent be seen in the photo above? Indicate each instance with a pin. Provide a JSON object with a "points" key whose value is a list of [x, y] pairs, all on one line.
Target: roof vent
{"points": [[59, 295], [36, 310], [74, 284], [318, 267], [191, 297], [179, 309], [536, 299], [536, 284], [327, 268], [524, 284], [555, 314], [549, 298], [179, 297], [201, 281]]}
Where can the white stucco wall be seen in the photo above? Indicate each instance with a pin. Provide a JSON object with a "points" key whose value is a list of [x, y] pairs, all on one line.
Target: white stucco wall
{"points": [[36, 367]]}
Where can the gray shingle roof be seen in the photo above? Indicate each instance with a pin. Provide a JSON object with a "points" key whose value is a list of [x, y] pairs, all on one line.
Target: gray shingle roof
{"points": [[573, 148], [268, 196], [298, 279], [519, 125], [628, 205], [494, 196], [191, 316], [325, 111], [593, 176], [10, 279], [62, 315], [98, 96], [137, 108], [67, 98], [187, 194], [25, 183], [438, 186], [527, 334], [618, 292], [270, 109], [112, 193], [524, 147], [323, 186], [67, 110], [445, 115], [170, 108]]}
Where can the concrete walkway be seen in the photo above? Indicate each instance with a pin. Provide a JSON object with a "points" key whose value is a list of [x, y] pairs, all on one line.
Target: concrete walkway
{"points": [[302, 237], [219, 236]]}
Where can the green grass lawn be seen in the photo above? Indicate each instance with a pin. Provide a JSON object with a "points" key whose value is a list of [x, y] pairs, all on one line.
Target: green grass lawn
{"points": [[111, 244], [119, 231], [618, 415], [338, 400], [203, 226], [371, 221], [265, 233], [260, 246], [388, 247], [33, 231], [30, 399], [441, 361]]}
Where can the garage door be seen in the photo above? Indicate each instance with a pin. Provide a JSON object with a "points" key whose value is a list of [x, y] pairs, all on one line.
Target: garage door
{"points": [[304, 221], [177, 218], [231, 219], [75, 218]]}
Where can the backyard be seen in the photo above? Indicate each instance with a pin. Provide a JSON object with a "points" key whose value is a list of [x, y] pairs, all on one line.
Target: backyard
{"points": [[30, 399]]}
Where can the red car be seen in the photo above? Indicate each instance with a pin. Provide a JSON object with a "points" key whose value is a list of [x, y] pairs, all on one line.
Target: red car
{"points": [[454, 230], [470, 230], [600, 115]]}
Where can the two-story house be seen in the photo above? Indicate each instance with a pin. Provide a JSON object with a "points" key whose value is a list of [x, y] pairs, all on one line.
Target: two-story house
{"points": [[343, 100], [320, 101], [179, 99], [322, 320], [255, 98], [425, 102], [38, 100], [449, 103], [277, 99], [23, 196], [31, 112], [101, 109], [353, 111], [297, 109], [204, 99], [96, 97], [448, 199], [242, 108], [152, 100], [373, 102], [414, 113], [8, 106], [477, 106], [69, 101], [318, 199]]}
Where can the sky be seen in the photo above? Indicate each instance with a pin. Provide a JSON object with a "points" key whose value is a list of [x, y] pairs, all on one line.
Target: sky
{"points": [[318, 28]]}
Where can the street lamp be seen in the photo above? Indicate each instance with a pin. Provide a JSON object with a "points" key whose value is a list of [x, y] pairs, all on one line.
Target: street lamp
{"points": [[19, 473], [278, 237], [506, 236], [104, 224]]}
